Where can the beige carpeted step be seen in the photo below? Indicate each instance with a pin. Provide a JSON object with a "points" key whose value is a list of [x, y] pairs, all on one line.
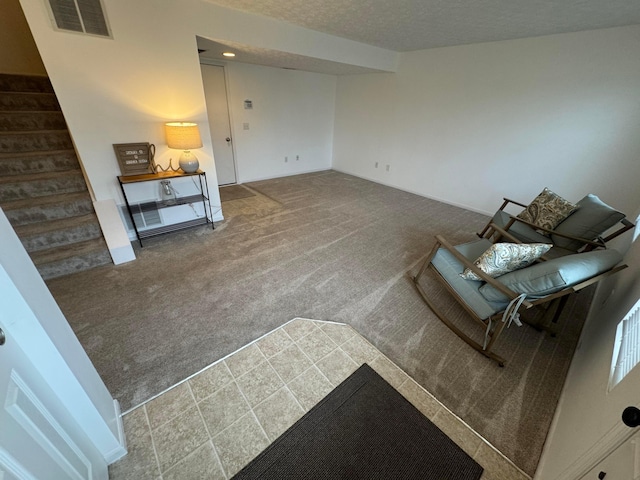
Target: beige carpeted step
{"points": [[36, 141], [72, 258], [19, 187], [38, 162], [57, 233], [52, 207], [30, 121], [25, 83]]}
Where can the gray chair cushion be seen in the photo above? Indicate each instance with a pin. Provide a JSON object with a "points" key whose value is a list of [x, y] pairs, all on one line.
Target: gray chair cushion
{"points": [[592, 219], [522, 232], [450, 269], [554, 275]]}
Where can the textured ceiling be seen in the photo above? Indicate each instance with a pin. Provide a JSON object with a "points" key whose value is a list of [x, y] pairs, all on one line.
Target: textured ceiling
{"points": [[407, 25]]}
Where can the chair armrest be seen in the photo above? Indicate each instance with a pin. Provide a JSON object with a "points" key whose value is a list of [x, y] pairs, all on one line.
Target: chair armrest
{"points": [[591, 243], [486, 278], [626, 225], [508, 200]]}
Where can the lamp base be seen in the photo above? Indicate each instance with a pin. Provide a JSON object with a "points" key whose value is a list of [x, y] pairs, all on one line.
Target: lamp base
{"points": [[188, 162]]}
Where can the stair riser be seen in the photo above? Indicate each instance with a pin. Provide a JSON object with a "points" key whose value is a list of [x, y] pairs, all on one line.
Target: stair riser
{"points": [[74, 265], [48, 162], [28, 121], [44, 213], [25, 102], [59, 238], [22, 83], [34, 142], [11, 192]]}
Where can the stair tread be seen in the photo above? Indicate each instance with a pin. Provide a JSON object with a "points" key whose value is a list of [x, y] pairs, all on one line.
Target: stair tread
{"points": [[30, 177], [69, 251], [34, 153], [34, 132], [45, 200], [39, 228]]}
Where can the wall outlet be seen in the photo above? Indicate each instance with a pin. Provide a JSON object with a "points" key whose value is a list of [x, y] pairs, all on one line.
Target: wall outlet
{"points": [[376, 165], [297, 157], [245, 126], [388, 167], [286, 159]]}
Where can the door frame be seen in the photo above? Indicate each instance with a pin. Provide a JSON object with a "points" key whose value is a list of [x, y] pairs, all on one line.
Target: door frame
{"points": [[227, 86]]}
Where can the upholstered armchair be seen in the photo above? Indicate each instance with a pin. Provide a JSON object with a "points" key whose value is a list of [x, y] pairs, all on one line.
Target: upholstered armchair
{"points": [[493, 282]]}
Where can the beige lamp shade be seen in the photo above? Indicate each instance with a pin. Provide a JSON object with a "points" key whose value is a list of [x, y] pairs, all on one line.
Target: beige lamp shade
{"points": [[183, 136]]}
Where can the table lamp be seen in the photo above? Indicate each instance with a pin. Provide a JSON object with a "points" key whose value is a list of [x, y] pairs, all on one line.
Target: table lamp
{"points": [[184, 136]]}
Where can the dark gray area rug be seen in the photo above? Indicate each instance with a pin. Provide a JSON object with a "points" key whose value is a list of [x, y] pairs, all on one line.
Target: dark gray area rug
{"points": [[336, 248], [234, 192], [364, 429]]}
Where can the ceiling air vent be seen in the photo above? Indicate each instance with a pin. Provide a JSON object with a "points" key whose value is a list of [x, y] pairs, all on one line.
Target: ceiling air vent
{"points": [[82, 16]]}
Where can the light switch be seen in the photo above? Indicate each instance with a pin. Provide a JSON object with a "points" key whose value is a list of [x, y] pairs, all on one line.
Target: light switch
{"points": [[245, 126]]}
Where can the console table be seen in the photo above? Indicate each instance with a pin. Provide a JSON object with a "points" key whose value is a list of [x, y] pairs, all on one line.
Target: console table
{"points": [[203, 197]]}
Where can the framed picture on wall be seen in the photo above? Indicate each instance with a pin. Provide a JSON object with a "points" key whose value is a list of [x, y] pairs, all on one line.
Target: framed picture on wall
{"points": [[134, 158]]}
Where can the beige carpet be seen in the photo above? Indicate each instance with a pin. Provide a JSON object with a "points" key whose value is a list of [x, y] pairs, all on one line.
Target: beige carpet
{"points": [[324, 245], [234, 192]]}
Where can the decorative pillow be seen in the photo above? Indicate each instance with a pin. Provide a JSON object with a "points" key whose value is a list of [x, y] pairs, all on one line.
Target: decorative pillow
{"points": [[501, 258], [547, 210]]}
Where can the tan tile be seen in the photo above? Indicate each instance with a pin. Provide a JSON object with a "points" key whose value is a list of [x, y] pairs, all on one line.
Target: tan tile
{"points": [[210, 380], [496, 466], [338, 333], [290, 362], [238, 444], [316, 345], [299, 328], [259, 383], [203, 463], [222, 408], [457, 431], [422, 400], [360, 350], [310, 387], [387, 370], [274, 343], [337, 366], [278, 412], [140, 461], [179, 437], [241, 362], [169, 405]]}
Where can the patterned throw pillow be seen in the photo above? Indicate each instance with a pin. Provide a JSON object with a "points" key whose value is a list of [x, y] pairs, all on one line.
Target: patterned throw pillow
{"points": [[547, 210], [501, 258]]}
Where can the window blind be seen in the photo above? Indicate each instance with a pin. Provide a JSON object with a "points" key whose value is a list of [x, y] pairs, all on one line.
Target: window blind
{"points": [[626, 352]]}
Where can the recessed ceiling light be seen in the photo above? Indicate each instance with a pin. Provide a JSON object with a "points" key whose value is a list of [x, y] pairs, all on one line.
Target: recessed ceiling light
{"points": [[228, 54]]}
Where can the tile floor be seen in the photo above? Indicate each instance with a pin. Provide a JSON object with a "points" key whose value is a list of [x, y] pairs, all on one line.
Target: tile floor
{"points": [[215, 422]]}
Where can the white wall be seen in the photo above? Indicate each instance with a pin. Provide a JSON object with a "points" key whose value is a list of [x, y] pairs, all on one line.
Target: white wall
{"points": [[123, 89], [18, 54], [292, 115], [587, 420], [471, 124]]}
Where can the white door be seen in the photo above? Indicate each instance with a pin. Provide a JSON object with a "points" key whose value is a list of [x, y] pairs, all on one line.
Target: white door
{"points": [[215, 91], [622, 464], [38, 440]]}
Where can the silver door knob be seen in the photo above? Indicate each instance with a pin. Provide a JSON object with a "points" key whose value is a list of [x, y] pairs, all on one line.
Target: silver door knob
{"points": [[2, 337]]}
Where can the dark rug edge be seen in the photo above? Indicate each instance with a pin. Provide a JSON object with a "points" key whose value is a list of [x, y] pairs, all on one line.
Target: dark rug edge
{"points": [[258, 467]]}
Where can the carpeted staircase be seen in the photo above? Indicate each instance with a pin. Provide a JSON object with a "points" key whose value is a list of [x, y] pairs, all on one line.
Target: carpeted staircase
{"points": [[42, 189]]}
